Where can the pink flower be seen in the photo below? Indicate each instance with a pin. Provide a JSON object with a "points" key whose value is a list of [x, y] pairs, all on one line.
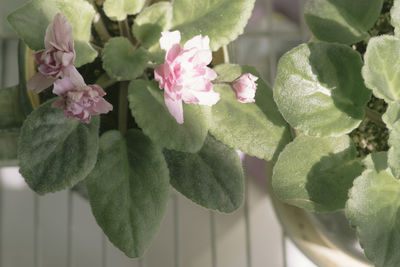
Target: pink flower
{"points": [[79, 100], [57, 57], [184, 76], [245, 88]]}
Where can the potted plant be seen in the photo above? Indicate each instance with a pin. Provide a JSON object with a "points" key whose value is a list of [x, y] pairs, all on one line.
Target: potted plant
{"points": [[135, 104], [339, 93]]}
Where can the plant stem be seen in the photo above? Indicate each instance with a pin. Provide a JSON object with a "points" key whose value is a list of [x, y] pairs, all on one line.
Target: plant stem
{"points": [[374, 116], [124, 30], [99, 25], [224, 83], [123, 107], [105, 81]]}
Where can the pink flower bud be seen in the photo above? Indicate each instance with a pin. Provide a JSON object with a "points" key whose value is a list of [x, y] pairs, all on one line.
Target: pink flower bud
{"points": [[184, 76], [79, 100], [57, 56], [245, 88]]}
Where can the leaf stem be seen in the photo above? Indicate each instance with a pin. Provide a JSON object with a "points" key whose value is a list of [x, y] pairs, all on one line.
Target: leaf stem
{"points": [[99, 25], [124, 30], [123, 107], [105, 81], [224, 83], [374, 116]]}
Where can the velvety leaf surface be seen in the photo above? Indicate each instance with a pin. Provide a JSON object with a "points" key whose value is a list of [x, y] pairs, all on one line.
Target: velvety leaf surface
{"points": [[31, 20], [221, 20], [392, 114], [319, 89], [121, 60], [212, 177], [380, 71], [315, 173], [55, 152], [151, 22], [119, 9], [11, 113], [377, 161], [373, 209], [9, 147], [395, 16], [342, 21], [146, 101], [128, 190], [257, 128]]}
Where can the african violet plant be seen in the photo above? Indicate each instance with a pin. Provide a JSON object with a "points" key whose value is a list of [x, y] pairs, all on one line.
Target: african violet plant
{"points": [[135, 104], [340, 94]]}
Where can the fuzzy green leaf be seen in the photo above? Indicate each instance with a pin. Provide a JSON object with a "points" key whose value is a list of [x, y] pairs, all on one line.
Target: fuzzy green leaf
{"points": [[121, 61], [377, 161], [379, 71], [373, 209], [56, 152], [31, 20], [221, 20], [342, 21], [213, 177], [151, 22], [11, 113], [319, 89], [315, 173], [128, 190], [146, 101], [119, 9], [395, 16], [257, 128]]}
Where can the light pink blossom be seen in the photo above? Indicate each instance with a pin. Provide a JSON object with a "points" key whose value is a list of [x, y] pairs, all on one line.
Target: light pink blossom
{"points": [[57, 57], [245, 88], [79, 100], [184, 76]]}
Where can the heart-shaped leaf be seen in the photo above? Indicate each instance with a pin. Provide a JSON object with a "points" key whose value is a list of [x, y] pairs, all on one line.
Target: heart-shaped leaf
{"points": [[319, 89], [258, 128], [151, 22], [379, 72], [221, 20], [342, 21], [373, 209], [212, 177], [31, 20], [146, 101], [121, 61], [56, 152], [315, 173], [119, 9], [128, 190]]}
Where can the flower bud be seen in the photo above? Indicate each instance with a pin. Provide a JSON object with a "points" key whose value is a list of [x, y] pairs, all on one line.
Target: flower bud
{"points": [[245, 88]]}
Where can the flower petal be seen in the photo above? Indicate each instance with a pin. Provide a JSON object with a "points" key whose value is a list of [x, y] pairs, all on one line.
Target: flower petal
{"points": [[168, 39], [39, 82], [175, 108]]}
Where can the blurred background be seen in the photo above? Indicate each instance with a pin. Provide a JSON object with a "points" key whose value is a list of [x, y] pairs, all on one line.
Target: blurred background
{"points": [[58, 230]]}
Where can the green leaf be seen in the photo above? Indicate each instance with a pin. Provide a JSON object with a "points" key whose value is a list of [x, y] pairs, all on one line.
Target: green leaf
{"points": [[319, 89], [377, 161], [55, 152], [11, 113], [392, 114], [31, 20], [315, 173], [395, 16], [9, 147], [374, 209], [222, 20], [121, 61], [213, 177], [379, 72], [119, 9], [146, 101], [257, 128], [151, 22], [342, 21], [128, 190]]}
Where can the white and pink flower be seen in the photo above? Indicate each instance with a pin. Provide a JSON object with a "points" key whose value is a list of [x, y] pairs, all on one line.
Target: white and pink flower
{"points": [[57, 57], [184, 76], [80, 101], [245, 88]]}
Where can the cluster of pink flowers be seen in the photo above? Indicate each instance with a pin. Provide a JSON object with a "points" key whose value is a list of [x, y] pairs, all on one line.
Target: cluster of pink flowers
{"points": [[184, 76], [56, 67]]}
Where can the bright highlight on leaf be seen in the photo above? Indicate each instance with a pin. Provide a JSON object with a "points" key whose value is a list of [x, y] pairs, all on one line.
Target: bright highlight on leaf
{"points": [[119, 9], [319, 89], [316, 173]]}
